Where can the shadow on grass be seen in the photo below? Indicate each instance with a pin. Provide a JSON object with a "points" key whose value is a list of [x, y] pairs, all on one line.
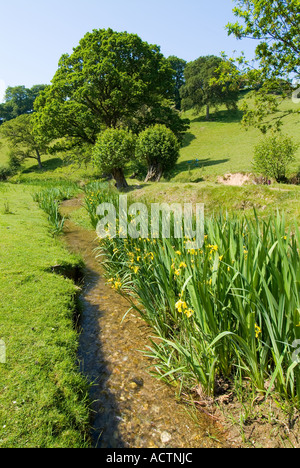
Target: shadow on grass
{"points": [[139, 186], [227, 116], [188, 138], [197, 164], [49, 165]]}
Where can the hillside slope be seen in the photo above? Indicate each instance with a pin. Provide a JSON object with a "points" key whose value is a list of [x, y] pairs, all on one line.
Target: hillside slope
{"points": [[223, 145]]}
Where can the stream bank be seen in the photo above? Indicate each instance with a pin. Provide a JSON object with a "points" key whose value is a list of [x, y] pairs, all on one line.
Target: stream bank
{"points": [[131, 408]]}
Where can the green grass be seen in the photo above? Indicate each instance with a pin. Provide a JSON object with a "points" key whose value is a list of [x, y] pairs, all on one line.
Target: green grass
{"points": [[44, 399], [216, 197], [222, 145]]}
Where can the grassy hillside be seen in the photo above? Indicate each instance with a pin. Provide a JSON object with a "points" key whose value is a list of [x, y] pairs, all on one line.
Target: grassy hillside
{"points": [[43, 400], [223, 145]]}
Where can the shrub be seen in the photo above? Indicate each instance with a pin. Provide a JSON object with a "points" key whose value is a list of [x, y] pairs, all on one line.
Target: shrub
{"points": [[15, 162], [5, 172], [273, 156], [113, 150], [159, 147]]}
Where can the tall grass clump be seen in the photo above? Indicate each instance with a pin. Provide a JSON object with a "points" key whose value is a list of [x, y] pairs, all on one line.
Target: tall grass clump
{"points": [[96, 193], [49, 200], [229, 311]]}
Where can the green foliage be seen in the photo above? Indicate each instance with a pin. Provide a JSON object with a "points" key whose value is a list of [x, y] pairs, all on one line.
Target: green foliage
{"points": [[275, 25], [5, 172], [264, 109], [209, 82], [14, 162], [97, 193], [158, 146], [164, 114], [110, 79], [178, 65], [19, 100], [21, 140], [229, 310], [113, 150], [273, 156], [77, 154], [49, 200]]}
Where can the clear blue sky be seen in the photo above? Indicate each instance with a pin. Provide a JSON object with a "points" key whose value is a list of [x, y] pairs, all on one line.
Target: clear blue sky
{"points": [[35, 33]]}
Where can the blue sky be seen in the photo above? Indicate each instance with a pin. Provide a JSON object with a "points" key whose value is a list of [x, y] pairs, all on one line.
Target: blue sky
{"points": [[35, 33]]}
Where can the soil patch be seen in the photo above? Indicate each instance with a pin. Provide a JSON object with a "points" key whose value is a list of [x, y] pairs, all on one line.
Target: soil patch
{"points": [[237, 179]]}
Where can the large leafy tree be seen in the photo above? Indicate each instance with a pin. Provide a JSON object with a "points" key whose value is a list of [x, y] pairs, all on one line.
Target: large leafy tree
{"points": [[19, 100], [178, 65], [275, 25], [110, 80], [209, 82]]}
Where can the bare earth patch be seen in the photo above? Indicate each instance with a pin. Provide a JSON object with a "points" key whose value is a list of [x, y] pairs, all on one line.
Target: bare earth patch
{"points": [[247, 422], [263, 424], [237, 179]]}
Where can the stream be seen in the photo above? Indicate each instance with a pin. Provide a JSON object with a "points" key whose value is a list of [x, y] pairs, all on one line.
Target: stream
{"points": [[131, 408]]}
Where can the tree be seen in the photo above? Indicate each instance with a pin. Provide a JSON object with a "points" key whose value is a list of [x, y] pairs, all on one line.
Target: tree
{"points": [[202, 87], [113, 150], [164, 114], [275, 25], [178, 65], [158, 146], [21, 139], [19, 100], [110, 80]]}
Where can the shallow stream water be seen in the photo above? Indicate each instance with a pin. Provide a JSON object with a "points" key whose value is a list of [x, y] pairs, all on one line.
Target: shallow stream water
{"points": [[131, 408]]}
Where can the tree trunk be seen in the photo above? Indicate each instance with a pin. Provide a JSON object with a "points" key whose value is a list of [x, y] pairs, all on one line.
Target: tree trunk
{"points": [[38, 157], [155, 172], [207, 112], [119, 177]]}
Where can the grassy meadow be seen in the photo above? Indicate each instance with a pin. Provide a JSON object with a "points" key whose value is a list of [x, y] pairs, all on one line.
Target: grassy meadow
{"points": [[223, 145], [228, 312], [209, 149], [43, 397]]}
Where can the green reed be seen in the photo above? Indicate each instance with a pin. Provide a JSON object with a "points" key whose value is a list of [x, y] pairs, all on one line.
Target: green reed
{"points": [[49, 200], [230, 310]]}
